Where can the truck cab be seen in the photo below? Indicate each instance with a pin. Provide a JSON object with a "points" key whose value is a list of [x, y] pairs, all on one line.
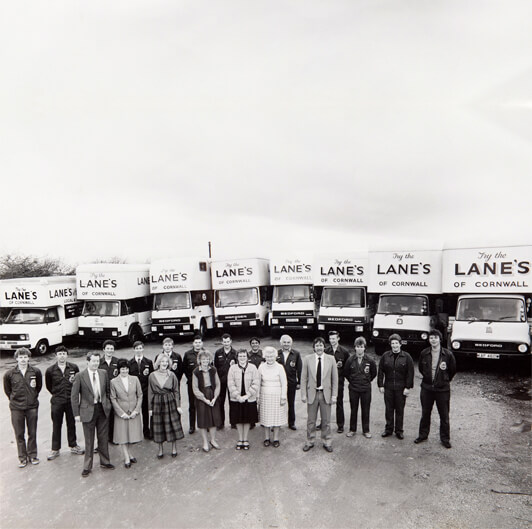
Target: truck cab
{"points": [[293, 307]]}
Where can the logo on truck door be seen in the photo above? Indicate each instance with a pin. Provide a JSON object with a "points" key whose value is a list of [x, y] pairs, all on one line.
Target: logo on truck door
{"points": [[399, 321]]}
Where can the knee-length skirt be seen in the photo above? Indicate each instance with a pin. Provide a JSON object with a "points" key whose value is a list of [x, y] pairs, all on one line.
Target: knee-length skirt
{"points": [[208, 416], [243, 412], [127, 430], [166, 421]]}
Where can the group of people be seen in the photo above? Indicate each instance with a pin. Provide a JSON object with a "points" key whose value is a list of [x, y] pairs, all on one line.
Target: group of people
{"points": [[121, 401]]}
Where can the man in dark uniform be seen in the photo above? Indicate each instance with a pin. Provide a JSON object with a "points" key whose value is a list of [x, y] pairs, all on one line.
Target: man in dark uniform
{"points": [[59, 378], [291, 361], [141, 367], [110, 364], [190, 362], [437, 365], [224, 358], [255, 353], [341, 354], [22, 385], [176, 363]]}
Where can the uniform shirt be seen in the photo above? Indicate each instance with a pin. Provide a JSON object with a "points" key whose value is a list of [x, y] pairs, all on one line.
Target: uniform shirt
{"points": [[111, 368], [142, 373], [223, 361], [341, 356], [292, 365], [190, 362], [59, 383], [256, 358], [23, 390]]}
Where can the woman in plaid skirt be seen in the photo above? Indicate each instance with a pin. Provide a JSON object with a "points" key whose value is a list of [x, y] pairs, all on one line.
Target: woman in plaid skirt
{"points": [[164, 405], [273, 411]]}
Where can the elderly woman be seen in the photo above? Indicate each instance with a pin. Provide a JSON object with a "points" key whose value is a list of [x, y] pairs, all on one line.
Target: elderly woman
{"points": [[164, 405], [360, 370], [206, 389], [126, 398], [243, 386], [273, 411]]}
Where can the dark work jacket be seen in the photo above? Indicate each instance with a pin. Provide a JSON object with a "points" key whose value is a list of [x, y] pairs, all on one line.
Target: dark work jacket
{"points": [[360, 375], [341, 356], [23, 391], [443, 376], [111, 369], [223, 361], [396, 373], [146, 367], [190, 362], [59, 384], [256, 358], [293, 366], [176, 364]]}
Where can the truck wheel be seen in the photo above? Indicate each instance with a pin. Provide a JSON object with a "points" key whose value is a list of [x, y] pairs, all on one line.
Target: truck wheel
{"points": [[42, 347], [135, 334], [202, 331]]}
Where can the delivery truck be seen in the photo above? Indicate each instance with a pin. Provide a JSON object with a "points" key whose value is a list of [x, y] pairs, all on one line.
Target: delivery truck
{"points": [[242, 293], [116, 301], [182, 297], [294, 305], [493, 289], [42, 312], [340, 282], [410, 297]]}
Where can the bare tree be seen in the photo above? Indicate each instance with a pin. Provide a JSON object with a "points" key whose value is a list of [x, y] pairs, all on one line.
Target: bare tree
{"points": [[12, 266]]}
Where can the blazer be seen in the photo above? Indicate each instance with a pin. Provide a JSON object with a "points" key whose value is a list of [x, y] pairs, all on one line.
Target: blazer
{"points": [[329, 378], [82, 397], [126, 401]]}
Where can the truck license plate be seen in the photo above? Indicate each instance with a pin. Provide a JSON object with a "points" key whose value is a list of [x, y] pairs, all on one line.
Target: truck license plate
{"points": [[494, 356], [292, 320], [236, 323], [97, 329]]}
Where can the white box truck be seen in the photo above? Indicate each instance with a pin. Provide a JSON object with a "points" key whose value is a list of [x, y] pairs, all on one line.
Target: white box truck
{"points": [[116, 301], [341, 281], [242, 293], [494, 291], [293, 302], [410, 296], [182, 297], [43, 311]]}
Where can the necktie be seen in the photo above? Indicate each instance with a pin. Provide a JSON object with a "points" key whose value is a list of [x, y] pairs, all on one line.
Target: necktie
{"points": [[96, 388], [318, 373], [243, 384]]}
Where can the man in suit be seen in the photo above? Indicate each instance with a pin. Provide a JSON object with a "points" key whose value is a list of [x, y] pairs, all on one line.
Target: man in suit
{"points": [[92, 406], [291, 361], [110, 364], [190, 362], [224, 358], [141, 367], [319, 386]]}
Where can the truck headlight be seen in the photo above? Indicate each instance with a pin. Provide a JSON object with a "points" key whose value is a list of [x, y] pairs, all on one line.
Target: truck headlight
{"points": [[252, 323], [321, 327], [186, 327], [275, 321], [424, 335], [24, 337], [114, 333], [456, 345], [359, 328], [154, 329], [522, 348], [375, 333], [81, 333], [310, 320]]}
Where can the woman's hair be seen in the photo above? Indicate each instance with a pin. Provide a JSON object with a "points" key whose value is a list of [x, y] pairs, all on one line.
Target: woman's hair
{"points": [[361, 341], [122, 362], [159, 360], [269, 349], [204, 354]]}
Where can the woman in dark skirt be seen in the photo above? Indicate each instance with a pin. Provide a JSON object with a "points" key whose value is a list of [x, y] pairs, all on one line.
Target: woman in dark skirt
{"points": [[164, 405], [206, 389], [243, 384]]}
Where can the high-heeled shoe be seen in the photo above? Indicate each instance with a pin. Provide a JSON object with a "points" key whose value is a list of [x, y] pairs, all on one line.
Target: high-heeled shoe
{"points": [[132, 460], [215, 445], [174, 454], [206, 449], [127, 465], [160, 456]]}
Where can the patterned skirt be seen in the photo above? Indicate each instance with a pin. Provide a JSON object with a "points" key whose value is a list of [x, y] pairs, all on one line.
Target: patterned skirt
{"points": [[166, 421]]}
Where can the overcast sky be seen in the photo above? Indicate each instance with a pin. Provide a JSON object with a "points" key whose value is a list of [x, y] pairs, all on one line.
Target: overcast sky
{"points": [[145, 129]]}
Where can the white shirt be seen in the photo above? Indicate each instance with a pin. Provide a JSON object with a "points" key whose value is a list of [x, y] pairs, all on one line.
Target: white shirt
{"points": [[317, 358], [125, 381], [95, 389], [285, 355]]}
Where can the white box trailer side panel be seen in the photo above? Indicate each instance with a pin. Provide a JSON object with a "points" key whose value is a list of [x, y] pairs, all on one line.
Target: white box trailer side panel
{"points": [[341, 270], [487, 270], [240, 273], [112, 282], [405, 272], [38, 291], [291, 271], [175, 275]]}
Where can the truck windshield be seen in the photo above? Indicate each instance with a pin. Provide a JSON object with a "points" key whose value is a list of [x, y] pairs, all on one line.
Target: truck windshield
{"points": [[171, 301], [100, 308], [342, 297], [292, 293], [26, 316], [405, 305], [238, 296], [491, 309]]}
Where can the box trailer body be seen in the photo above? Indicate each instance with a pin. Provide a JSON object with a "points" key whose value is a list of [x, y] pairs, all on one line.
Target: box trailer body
{"points": [[43, 311], [493, 286], [182, 297], [116, 301], [242, 293], [410, 296], [342, 283], [293, 301]]}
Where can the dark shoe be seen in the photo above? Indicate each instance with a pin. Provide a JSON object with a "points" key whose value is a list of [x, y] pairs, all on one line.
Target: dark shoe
{"points": [[245, 445], [85, 473], [340, 429], [191, 430], [34, 460], [307, 447], [292, 427], [107, 466], [266, 442], [328, 448], [96, 450], [420, 440], [318, 426], [160, 456], [447, 444], [132, 460], [399, 435], [386, 434], [127, 465], [239, 445], [276, 444], [22, 463], [174, 454]]}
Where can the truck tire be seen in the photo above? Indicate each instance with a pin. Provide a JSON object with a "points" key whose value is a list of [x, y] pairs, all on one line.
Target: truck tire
{"points": [[135, 334], [202, 331], [42, 347]]}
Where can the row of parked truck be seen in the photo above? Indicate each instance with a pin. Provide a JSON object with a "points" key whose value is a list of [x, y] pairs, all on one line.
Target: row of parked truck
{"points": [[478, 297]]}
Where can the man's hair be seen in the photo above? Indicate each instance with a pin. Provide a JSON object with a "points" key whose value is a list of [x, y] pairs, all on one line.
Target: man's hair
{"points": [[168, 340], [394, 336], [334, 333], [436, 332], [225, 336], [197, 337], [22, 351], [137, 343], [90, 354], [317, 340], [109, 342], [253, 339], [360, 341], [61, 348]]}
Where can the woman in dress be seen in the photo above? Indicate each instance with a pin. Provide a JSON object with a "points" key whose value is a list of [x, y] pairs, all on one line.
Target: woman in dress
{"points": [[243, 386], [126, 398], [273, 411], [206, 389], [164, 405]]}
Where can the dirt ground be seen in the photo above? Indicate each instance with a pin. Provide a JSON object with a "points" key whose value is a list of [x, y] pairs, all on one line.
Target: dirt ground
{"points": [[484, 481]]}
